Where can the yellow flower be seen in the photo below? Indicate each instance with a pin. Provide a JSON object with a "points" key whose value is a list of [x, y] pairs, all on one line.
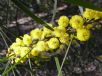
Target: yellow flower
{"points": [[58, 32], [42, 46], [53, 43], [63, 21], [27, 40], [83, 34], [97, 15], [92, 14], [9, 50], [64, 39], [62, 46], [88, 14], [62, 28], [11, 55], [18, 60], [76, 22], [35, 52], [89, 26], [100, 13], [14, 45], [36, 33], [24, 52], [17, 50], [46, 32], [19, 41]]}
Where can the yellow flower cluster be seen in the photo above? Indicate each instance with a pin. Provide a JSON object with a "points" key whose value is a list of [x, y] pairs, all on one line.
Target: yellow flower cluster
{"points": [[83, 32], [43, 40], [92, 14], [40, 40]]}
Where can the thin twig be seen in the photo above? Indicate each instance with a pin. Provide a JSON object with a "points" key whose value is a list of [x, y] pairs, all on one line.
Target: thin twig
{"points": [[54, 10], [4, 39]]}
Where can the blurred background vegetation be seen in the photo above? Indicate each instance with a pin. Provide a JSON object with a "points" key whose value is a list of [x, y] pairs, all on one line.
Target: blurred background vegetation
{"points": [[14, 22]]}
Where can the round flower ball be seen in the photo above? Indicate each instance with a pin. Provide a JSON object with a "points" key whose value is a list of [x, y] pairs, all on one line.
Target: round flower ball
{"points": [[35, 52], [42, 46], [58, 32], [24, 52], [89, 13], [53, 43], [76, 22], [83, 34], [92, 14], [46, 32], [27, 40], [19, 42], [89, 26], [36, 33], [64, 39], [63, 21]]}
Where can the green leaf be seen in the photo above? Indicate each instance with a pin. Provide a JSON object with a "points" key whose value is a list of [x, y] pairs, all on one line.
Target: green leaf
{"points": [[14, 65], [84, 4], [58, 66], [3, 59], [29, 13]]}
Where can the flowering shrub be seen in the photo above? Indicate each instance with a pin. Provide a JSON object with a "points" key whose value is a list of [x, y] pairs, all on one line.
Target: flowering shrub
{"points": [[42, 41]]}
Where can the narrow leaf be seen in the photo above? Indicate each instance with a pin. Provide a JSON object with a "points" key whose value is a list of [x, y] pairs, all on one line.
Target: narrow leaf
{"points": [[13, 66], [58, 66]]}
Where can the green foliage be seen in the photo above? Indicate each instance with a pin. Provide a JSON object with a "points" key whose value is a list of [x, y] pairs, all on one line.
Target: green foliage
{"points": [[58, 66], [84, 4], [8, 69]]}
